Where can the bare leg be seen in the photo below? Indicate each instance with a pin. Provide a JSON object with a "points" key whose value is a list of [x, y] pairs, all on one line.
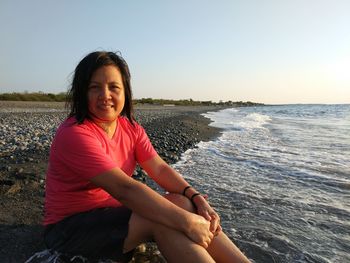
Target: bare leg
{"points": [[222, 249], [173, 244]]}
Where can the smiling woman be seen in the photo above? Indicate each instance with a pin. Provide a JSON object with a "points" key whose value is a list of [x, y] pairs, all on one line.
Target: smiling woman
{"points": [[106, 94], [106, 97], [93, 208], [97, 77]]}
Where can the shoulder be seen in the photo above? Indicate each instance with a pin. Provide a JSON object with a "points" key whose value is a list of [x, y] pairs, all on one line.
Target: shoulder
{"points": [[134, 130], [71, 123], [70, 129], [126, 124]]}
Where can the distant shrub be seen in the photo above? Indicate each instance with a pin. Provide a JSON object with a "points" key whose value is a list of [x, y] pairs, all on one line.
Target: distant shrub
{"points": [[33, 96], [191, 102], [41, 96]]}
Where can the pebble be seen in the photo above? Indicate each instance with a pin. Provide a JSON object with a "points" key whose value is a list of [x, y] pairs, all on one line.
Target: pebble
{"points": [[23, 133], [32, 131]]}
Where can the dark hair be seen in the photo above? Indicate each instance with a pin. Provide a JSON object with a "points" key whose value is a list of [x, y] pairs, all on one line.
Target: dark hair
{"points": [[77, 99]]}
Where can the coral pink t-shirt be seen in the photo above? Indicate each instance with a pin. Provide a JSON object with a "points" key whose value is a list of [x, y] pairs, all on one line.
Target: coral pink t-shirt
{"points": [[82, 151]]}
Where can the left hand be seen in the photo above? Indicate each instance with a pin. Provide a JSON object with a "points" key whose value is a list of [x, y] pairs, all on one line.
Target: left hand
{"points": [[205, 210]]}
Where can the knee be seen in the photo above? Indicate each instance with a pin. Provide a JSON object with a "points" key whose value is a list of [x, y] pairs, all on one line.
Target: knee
{"points": [[181, 201]]}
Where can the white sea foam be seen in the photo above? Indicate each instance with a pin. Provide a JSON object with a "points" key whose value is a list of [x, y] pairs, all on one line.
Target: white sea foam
{"points": [[254, 121], [282, 169], [221, 119], [232, 119]]}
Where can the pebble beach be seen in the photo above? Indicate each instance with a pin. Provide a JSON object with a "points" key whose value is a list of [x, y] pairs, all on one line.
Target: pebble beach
{"points": [[26, 132]]}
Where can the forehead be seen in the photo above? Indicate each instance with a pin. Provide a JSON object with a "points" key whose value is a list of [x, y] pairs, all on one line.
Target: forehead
{"points": [[110, 73]]}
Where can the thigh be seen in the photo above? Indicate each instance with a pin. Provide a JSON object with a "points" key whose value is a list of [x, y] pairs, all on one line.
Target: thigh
{"points": [[174, 245], [142, 229]]}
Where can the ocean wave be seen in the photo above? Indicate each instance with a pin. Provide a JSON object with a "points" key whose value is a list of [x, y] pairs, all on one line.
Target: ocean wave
{"points": [[232, 119], [279, 178]]}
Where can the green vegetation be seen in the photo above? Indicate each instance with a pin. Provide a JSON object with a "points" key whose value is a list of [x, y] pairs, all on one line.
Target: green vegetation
{"points": [[171, 102], [34, 96], [191, 102], [41, 96]]}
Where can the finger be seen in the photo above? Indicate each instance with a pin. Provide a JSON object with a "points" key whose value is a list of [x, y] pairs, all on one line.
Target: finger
{"points": [[214, 223], [216, 217], [206, 215], [205, 196], [205, 245], [218, 230], [213, 214], [211, 236], [213, 226]]}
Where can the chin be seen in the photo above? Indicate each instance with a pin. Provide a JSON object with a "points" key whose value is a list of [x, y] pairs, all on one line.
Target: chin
{"points": [[104, 118], [109, 118]]}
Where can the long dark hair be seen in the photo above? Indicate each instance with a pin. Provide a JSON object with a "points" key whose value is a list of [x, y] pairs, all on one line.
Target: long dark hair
{"points": [[77, 99]]}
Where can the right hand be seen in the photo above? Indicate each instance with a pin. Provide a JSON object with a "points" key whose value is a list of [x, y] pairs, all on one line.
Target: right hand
{"points": [[199, 231], [205, 210]]}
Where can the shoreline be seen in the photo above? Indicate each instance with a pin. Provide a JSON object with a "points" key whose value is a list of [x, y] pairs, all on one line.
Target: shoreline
{"points": [[172, 131]]}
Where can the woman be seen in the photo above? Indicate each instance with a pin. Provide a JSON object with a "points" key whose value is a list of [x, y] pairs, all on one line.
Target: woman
{"points": [[93, 207]]}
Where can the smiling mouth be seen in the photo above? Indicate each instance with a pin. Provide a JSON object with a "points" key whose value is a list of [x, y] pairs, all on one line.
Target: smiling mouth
{"points": [[106, 106]]}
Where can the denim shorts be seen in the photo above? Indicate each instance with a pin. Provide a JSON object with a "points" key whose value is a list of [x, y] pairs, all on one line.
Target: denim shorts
{"points": [[95, 235]]}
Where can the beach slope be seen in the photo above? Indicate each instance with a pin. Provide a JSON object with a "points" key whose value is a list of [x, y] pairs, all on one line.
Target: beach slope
{"points": [[26, 131]]}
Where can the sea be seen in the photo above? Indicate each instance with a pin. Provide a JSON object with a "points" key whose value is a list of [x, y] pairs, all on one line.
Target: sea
{"points": [[279, 176]]}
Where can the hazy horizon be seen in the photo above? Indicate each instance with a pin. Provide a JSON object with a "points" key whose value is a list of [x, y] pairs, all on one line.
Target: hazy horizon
{"points": [[272, 52]]}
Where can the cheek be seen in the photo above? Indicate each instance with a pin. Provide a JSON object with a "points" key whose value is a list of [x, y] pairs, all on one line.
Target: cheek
{"points": [[121, 98], [121, 102]]}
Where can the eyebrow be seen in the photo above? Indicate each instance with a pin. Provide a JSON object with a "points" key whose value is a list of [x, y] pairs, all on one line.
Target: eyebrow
{"points": [[113, 82]]}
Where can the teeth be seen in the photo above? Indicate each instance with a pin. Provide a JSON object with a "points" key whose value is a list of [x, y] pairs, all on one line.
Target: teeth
{"points": [[106, 106]]}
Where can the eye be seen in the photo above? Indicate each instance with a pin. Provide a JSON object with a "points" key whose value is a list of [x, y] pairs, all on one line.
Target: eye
{"points": [[93, 87], [114, 87]]}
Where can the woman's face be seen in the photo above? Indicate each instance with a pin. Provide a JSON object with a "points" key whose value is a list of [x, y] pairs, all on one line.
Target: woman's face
{"points": [[106, 97]]}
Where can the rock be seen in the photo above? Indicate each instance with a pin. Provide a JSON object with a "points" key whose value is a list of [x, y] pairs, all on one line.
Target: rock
{"points": [[14, 189], [171, 130]]}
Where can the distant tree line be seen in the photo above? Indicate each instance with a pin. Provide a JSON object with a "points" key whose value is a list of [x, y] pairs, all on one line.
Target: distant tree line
{"points": [[171, 102], [191, 102], [41, 96], [33, 96]]}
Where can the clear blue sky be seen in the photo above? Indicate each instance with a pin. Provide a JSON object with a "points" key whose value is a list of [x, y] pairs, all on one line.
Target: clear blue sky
{"points": [[280, 51]]}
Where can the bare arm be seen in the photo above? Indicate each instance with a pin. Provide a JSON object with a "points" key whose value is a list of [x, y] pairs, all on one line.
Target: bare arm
{"points": [[164, 175], [170, 180], [149, 204]]}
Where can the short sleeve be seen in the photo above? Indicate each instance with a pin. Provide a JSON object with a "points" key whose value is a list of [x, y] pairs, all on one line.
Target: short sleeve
{"points": [[82, 152], [144, 147]]}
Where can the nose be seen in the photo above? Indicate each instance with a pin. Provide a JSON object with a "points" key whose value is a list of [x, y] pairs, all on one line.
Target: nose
{"points": [[105, 93]]}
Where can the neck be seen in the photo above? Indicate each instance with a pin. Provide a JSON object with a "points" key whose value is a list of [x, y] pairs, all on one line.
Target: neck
{"points": [[108, 126]]}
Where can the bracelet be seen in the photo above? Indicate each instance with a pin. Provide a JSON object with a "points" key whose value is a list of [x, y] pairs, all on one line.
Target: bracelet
{"points": [[194, 195], [186, 188]]}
